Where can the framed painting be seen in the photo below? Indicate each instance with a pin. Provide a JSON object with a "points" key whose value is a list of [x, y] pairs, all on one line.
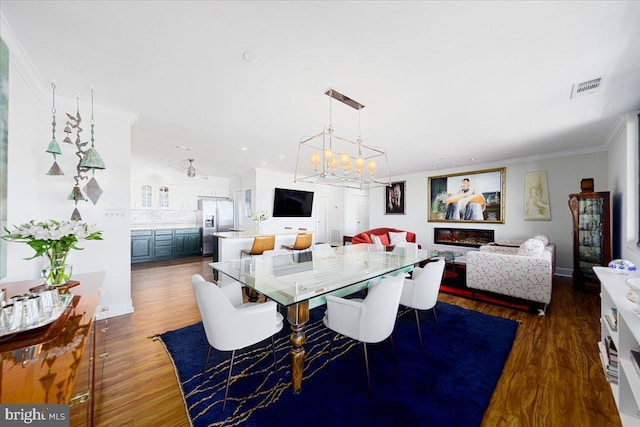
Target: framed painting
{"points": [[476, 196], [394, 200], [4, 149], [536, 197]]}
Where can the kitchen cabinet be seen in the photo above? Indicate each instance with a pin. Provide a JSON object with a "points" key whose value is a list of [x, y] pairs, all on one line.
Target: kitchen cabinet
{"points": [[591, 233], [141, 245], [158, 245], [162, 244], [186, 242]]}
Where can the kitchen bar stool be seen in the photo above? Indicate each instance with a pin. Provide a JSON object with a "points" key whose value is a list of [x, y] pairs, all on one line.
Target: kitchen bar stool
{"points": [[302, 243], [260, 244]]}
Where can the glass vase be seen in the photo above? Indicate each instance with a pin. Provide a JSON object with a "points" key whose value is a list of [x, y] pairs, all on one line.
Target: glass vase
{"points": [[259, 228], [56, 272]]}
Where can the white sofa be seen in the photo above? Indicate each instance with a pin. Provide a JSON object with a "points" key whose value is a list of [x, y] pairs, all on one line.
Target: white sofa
{"points": [[498, 268]]}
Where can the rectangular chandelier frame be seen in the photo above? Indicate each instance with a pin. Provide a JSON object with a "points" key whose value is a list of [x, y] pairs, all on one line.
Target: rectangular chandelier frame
{"points": [[360, 166]]}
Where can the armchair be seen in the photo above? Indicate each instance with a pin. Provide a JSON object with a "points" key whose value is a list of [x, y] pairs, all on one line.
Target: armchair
{"points": [[513, 271], [371, 320], [230, 327]]}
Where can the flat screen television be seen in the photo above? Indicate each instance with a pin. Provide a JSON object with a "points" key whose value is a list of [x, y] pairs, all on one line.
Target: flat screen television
{"points": [[292, 203]]}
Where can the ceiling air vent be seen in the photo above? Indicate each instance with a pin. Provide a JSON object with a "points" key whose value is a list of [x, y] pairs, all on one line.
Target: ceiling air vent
{"points": [[586, 88]]}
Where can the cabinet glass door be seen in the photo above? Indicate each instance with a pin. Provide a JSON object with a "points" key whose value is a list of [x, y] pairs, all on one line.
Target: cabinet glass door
{"points": [[590, 239]]}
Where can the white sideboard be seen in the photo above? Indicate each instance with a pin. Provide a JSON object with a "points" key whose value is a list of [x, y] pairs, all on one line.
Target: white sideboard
{"points": [[625, 335]]}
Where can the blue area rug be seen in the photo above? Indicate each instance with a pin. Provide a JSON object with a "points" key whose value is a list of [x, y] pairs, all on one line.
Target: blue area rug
{"points": [[449, 383]]}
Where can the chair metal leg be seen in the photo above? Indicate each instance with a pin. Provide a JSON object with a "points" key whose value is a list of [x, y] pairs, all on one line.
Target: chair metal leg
{"points": [[275, 363], [436, 318], [418, 324], [226, 390], [366, 364], [207, 360], [393, 348]]}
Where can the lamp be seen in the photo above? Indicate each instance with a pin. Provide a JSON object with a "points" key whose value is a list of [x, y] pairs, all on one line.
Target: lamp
{"points": [[329, 159], [191, 171]]}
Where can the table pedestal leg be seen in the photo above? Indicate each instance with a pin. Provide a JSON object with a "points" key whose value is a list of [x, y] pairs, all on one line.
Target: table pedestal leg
{"points": [[252, 295], [297, 315]]}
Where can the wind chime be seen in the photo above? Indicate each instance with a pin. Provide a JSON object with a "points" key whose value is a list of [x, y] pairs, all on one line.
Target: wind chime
{"points": [[88, 159]]}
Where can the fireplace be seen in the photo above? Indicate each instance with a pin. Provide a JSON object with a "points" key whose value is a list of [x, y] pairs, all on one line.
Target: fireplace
{"points": [[462, 236]]}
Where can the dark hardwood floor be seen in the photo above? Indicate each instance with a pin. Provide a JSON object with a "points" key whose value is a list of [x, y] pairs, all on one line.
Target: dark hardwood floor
{"points": [[553, 376]]}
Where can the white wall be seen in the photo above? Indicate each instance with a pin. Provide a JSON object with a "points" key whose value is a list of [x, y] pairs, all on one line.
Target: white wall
{"points": [[623, 176], [262, 183], [563, 175], [34, 195]]}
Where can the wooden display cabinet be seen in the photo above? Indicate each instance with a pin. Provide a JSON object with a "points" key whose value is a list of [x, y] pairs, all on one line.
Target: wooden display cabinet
{"points": [[591, 214]]}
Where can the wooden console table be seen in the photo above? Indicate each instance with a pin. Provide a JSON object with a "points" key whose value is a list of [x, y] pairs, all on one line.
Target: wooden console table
{"points": [[55, 364]]}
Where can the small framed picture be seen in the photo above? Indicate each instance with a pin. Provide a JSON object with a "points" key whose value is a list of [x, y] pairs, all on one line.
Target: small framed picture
{"points": [[394, 198]]}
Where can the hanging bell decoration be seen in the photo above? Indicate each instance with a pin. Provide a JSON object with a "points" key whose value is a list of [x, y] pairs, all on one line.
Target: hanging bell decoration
{"points": [[54, 147]]}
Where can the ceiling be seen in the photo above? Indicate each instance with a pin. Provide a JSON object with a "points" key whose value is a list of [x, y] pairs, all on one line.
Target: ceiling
{"points": [[442, 82]]}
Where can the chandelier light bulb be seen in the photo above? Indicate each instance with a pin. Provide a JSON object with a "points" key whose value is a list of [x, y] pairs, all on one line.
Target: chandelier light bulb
{"points": [[360, 164], [344, 159], [347, 166], [315, 159], [333, 164], [371, 166], [328, 155]]}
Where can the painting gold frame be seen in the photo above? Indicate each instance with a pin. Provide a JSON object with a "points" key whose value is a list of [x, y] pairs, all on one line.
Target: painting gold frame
{"points": [[468, 197]]}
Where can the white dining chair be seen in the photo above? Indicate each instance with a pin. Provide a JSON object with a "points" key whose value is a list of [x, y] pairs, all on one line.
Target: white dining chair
{"points": [[231, 328], [368, 320], [278, 257], [322, 251], [421, 292]]}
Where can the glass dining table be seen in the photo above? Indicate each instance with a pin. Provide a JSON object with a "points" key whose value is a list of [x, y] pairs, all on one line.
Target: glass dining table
{"points": [[302, 286]]}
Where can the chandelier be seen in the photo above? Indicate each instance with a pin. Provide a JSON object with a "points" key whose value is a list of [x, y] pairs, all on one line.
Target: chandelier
{"points": [[191, 171], [329, 159]]}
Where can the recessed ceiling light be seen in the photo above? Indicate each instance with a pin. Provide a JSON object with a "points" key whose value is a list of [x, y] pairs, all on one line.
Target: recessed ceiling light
{"points": [[249, 56], [181, 147], [472, 159], [243, 148], [282, 156]]}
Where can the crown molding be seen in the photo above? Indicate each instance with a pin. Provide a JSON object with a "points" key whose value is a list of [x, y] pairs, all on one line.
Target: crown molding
{"points": [[21, 60], [618, 127]]}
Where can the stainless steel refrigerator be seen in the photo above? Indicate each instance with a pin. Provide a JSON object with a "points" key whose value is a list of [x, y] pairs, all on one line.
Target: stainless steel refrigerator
{"points": [[214, 215]]}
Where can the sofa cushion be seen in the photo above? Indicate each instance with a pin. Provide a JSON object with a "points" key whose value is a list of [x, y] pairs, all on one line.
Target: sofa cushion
{"points": [[365, 238], [531, 247], [376, 241], [397, 237], [544, 239], [384, 239]]}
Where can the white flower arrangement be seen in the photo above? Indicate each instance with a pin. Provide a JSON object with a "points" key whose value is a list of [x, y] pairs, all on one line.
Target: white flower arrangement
{"points": [[260, 216], [53, 239]]}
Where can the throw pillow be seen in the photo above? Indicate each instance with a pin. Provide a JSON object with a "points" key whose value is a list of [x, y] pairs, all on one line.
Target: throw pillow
{"points": [[383, 238], [376, 241], [544, 239], [531, 247], [395, 238], [365, 237]]}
